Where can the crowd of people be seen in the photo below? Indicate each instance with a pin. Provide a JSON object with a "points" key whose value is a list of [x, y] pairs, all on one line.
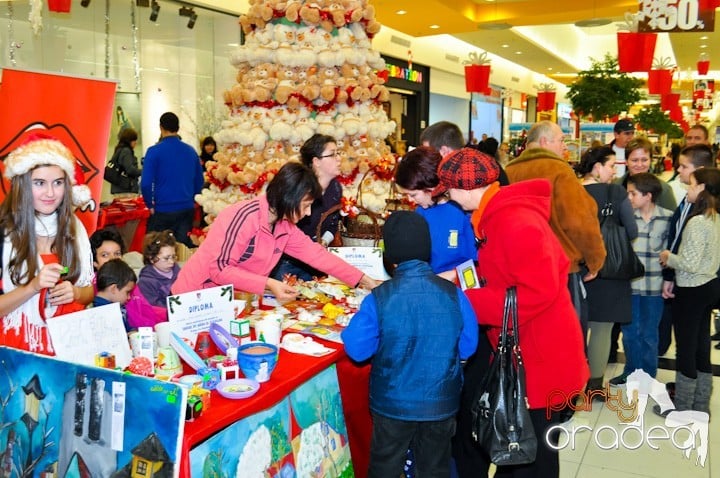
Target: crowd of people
{"points": [[532, 223]]}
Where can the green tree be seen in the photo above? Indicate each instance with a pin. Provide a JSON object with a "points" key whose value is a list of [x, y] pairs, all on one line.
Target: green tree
{"points": [[603, 91], [654, 119]]}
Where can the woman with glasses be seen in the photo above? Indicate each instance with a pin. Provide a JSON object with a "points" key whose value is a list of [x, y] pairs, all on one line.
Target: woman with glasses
{"points": [[319, 153], [161, 269], [247, 238]]}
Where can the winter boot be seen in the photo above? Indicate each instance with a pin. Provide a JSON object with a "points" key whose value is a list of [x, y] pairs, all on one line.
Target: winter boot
{"points": [[703, 390], [684, 394]]}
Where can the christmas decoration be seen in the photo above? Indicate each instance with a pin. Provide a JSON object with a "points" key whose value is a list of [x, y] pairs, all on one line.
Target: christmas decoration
{"points": [[635, 50], [306, 67], [660, 77], [477, 73], [703, 64], [546, 97]]}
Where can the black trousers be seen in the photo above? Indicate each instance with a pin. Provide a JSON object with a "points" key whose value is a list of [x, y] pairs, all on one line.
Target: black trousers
{"points": [[429, 441], [665, 328], [179, 222], [470, 460], [691, 309]]}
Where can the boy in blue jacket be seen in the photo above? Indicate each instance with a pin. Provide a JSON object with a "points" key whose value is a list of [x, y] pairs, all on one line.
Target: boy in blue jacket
{"points": [[417, 327]]}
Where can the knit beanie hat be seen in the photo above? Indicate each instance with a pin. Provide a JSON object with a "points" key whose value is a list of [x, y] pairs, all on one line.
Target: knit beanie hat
{"points": [[41, 149], [468, 169], [406, 236]]}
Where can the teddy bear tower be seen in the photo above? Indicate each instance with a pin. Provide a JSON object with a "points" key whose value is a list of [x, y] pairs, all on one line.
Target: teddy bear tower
{"points": [[306, 67]]}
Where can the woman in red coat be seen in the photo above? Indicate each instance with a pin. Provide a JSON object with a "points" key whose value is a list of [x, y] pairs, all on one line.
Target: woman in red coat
{"points": [[518, 247]]}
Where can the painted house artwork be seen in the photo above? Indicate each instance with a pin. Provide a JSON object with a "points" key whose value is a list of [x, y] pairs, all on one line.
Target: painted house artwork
{"points": [[59, 419], [303, 436]]}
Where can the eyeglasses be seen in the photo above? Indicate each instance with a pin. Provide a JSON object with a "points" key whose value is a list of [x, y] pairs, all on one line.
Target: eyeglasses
{"points": [[330, 155], [168, 258]]}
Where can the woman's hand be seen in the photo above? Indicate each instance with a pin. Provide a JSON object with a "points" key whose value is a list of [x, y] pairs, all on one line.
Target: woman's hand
{"points": [[48, 277], [62, 293], [368, 282], [283, 292], [664, 255]]}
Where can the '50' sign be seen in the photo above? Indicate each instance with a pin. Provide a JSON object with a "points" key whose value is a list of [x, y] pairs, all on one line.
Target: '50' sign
{"points": [[677, 15]]}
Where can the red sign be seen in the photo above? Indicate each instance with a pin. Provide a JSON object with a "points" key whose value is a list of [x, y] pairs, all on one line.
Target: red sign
{"points": [[677, 15], [77, 111]]}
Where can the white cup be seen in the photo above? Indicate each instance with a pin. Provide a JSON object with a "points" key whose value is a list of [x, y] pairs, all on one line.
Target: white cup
{"points": [[269, 328], [162, 330]]}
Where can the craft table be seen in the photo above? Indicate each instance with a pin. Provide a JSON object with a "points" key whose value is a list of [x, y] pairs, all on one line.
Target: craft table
{"points": [[291, 371]]}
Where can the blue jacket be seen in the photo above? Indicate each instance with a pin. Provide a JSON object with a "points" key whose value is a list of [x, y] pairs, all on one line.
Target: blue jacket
{"points": [[171, 176], [417, 327]]}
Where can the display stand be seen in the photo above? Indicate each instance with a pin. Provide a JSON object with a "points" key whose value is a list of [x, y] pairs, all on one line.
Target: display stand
{"points": [[130, 217]]}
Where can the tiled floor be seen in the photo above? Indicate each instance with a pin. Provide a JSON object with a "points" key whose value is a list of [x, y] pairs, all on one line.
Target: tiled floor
{"points": [[589, 460]]}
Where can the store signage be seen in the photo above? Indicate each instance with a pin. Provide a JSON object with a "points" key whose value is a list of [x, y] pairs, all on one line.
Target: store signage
{"points": [[407, 74], [677, 15]]}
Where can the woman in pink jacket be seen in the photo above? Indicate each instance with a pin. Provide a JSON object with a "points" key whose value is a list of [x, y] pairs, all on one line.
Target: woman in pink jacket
{"points": [[247, 239]]}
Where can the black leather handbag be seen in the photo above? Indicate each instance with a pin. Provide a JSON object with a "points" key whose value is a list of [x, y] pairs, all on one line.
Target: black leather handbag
{"points": [[115, 176], [621, 262], [501, 421]]}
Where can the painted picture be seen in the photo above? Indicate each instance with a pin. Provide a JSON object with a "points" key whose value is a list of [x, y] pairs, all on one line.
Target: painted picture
{"points": [[302, 436], [59, 419]]}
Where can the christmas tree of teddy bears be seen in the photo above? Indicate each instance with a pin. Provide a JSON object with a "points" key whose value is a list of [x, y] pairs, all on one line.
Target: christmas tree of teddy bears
{"points": [[306, 67]]}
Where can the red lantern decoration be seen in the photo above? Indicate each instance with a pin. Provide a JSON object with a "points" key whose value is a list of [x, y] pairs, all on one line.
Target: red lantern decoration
{"points": [[546, 101], [635, 51], [659, 81], [60, 6], [670, 100], [477, 78]]}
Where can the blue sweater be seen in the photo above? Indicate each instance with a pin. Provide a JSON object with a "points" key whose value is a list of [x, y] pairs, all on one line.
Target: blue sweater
{"points": [[171, 176], [451, 235], [416, 327]]}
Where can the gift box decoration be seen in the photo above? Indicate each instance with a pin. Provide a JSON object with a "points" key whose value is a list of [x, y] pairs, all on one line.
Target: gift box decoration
{"points": [[668, 101], [59, 6], [477, 73], [661, 76], [635, 51], [703, 64], [546, 97]]}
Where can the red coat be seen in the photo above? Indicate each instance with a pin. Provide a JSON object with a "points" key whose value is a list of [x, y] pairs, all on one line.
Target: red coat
{"points": [[519, 248]]}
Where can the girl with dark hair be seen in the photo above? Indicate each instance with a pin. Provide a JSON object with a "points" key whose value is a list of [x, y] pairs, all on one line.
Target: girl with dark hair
{"points": [[453, 240], [609, 300], [208, 148], [319, 153], [697, 289], [247, 239], [126, 162], [161, 267], [46, 260]]}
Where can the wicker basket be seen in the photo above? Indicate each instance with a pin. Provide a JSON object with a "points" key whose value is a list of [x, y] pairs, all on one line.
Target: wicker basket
{"points": [[363, 230]]}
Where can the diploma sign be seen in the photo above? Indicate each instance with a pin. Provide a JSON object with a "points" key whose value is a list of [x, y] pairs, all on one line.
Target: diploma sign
{"points": [[193, 312], [367, 259]]}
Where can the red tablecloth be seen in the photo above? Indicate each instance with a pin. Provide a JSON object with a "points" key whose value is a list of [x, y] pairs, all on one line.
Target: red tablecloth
{"points": [[291, 371], [122, 211]]}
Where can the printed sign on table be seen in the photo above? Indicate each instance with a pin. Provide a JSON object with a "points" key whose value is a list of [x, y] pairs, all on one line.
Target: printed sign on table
{"points": [[367, 259], [193, 312]]}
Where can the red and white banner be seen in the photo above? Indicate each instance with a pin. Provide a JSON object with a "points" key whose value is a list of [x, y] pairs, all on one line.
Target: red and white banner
{"points": [[77, 111], [677, 15]]}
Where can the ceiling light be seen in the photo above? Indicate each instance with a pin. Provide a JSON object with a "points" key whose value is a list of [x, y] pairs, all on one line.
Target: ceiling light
{"points": [[549, 68], [505, 45], [494, 26], [703, 46], [593, 22], [434, 27], [401, 12], [155, 11], [704, 37], [190, 13], [518, 52]]}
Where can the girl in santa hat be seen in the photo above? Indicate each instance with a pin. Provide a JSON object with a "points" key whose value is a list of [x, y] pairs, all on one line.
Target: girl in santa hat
{"points": [[46, 257]]}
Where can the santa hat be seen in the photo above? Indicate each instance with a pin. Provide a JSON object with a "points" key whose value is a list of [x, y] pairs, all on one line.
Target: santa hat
{"points": [[41, 149]]}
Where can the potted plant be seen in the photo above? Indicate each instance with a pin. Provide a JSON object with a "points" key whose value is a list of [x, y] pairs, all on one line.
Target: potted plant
{"points": [[652, 118], [603, 91]]}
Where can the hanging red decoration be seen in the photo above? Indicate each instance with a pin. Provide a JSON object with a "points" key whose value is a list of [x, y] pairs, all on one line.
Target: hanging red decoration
{"points": [[477, 78], [659, 81], [477, 73], [635, 51], [676, 113], [546, 101], [703, 64], [60, 6], [668, 101]]}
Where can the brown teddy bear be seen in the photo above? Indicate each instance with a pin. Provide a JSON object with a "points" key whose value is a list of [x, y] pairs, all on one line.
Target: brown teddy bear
{"points": [[329, 81], [286, 84], [310, 15]]}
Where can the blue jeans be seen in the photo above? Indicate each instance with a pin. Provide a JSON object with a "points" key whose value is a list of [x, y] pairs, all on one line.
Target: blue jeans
{"points": [[640, 337]]}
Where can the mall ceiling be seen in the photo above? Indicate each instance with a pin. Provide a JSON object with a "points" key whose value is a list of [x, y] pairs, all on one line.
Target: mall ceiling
{"points": [[540, 34]]}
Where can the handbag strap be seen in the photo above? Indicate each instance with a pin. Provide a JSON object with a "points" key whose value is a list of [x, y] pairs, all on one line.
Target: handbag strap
{"points": [[607, 210], [510, 313]]}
